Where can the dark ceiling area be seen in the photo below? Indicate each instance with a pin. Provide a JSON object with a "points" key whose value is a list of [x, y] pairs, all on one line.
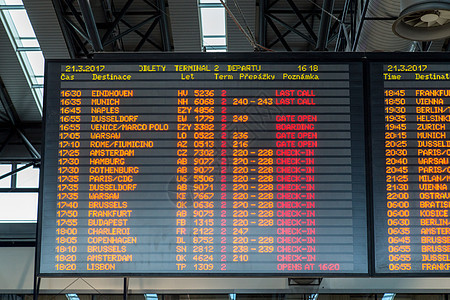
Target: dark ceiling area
{"points": [[80, 28], [263, 25]]}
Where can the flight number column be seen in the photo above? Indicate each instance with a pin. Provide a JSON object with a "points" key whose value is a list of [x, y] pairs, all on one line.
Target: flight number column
{"points": [[182, 178], [397, 180], [204, 186], [68, 178]]}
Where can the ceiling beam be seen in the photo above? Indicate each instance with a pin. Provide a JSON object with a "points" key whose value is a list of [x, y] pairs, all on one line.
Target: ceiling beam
{"points": [[302, 19], [292, 29], [65, 31], [143, 35], [84, 36], [164, 25], [325, 23], [360, 25], [262, 36], [117, 20], [15, 120], [445, 46], [146, 35], [91, 26], [278, 34], [133, 28]]}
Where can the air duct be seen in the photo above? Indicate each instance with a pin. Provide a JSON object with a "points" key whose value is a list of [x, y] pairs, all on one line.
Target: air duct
{"points": [[422, 20], [376, 32]]}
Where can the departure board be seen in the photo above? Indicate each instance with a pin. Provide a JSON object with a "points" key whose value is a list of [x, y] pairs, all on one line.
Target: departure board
{"points": [[410, 123], [206, 165]]}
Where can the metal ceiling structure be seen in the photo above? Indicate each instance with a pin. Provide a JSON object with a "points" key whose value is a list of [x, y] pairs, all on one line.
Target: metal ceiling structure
{"points": [[252, 25], [334, 25], [82, 28], [303, 26], [96, 26]]}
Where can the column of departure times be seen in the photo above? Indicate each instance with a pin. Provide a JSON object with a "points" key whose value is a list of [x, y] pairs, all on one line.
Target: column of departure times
{"points": [[68, 181], [397, 180]]}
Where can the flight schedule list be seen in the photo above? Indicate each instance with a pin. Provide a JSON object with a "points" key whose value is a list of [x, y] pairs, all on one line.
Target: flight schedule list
{"points": [[411, 151], [203, 168]]}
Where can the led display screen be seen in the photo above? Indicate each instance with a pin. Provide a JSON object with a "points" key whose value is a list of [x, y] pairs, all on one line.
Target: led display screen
{"points": [[218, 165]]}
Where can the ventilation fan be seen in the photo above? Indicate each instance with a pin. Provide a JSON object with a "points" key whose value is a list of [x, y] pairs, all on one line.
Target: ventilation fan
{"points": [[423, 20]]}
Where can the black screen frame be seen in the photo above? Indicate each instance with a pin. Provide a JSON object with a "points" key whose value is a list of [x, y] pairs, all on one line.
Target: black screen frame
{"points": [[209, 57]]}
